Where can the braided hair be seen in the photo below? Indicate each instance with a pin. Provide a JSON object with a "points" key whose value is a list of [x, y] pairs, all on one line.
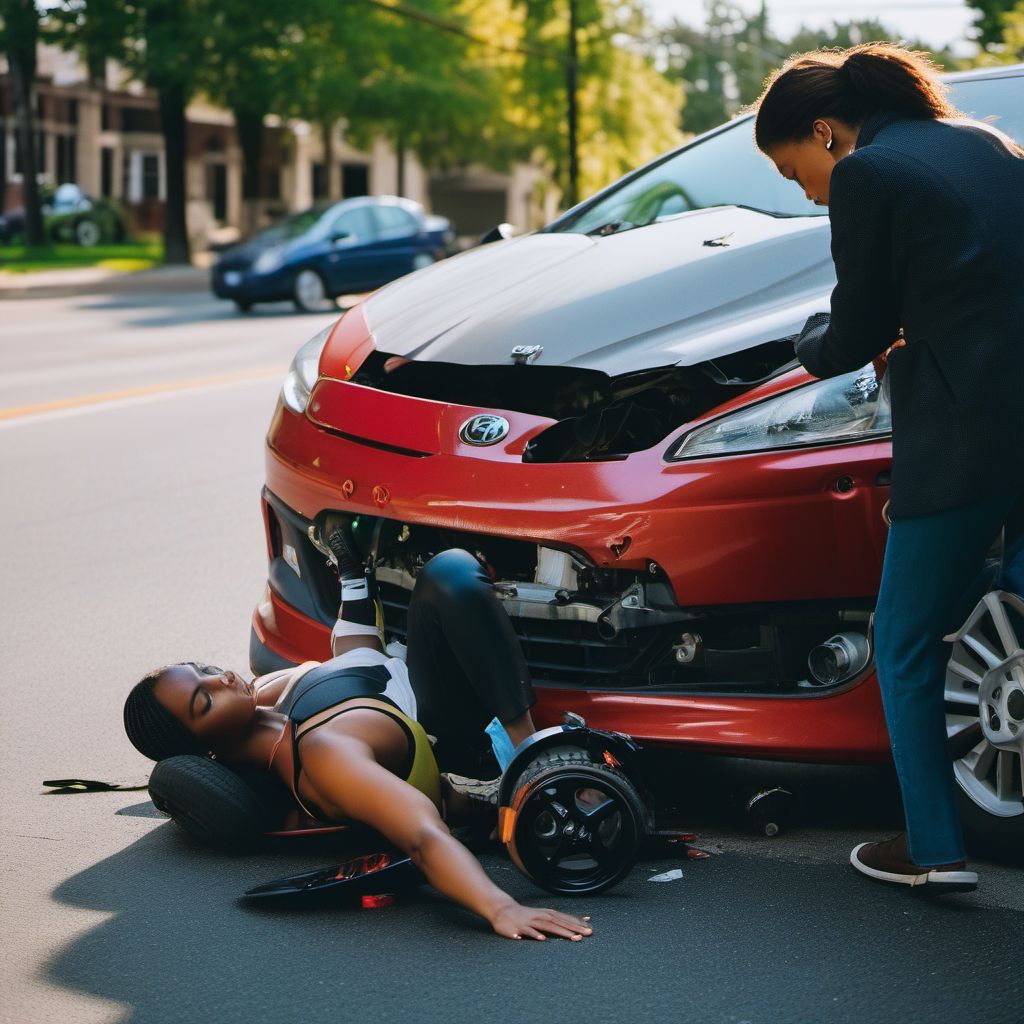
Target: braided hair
{"points": [[153, 730]]}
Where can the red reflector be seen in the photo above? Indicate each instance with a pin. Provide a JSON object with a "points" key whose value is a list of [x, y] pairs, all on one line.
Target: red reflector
{"points": [[384, 899], [611, 760]]}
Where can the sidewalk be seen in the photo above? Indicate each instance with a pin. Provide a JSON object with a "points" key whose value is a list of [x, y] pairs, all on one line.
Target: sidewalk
{"points": [[101, 281]]}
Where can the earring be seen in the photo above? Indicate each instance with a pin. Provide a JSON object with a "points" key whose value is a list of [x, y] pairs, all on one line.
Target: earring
{"points": [[828, 145]]}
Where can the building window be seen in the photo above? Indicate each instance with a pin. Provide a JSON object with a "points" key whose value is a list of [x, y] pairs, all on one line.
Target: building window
{"points": [[217, 190], [150, 176], [319, 181], [271, 182], [67, 158], [355, 180], [106, 171]]}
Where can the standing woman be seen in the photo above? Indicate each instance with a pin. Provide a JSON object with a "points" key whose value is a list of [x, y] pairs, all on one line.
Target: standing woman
{"points": [[927, 215]]}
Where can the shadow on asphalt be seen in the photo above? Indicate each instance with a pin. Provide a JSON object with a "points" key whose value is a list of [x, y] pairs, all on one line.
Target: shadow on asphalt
{"points": [[736, 938]]}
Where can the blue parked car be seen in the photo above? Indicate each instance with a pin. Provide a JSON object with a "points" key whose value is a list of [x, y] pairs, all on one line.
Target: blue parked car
{"points": [[353, 246]]}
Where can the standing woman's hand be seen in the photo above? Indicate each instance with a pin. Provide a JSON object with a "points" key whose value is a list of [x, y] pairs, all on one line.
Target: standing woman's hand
{"points": [[881, 363]]}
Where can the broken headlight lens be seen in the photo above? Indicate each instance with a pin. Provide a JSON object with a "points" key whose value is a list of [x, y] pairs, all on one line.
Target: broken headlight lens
{"points": [[303, 372], [852, 407]]}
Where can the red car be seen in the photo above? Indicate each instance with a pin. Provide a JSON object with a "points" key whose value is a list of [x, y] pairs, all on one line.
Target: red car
{"points": [[686, 528]]}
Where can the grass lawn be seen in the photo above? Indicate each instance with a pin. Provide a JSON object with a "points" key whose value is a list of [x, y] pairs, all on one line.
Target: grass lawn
{"points": [[18, 259]]}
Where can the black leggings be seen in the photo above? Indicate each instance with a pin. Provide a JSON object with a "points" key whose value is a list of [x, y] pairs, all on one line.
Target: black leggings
{"points": [[465, 663]]}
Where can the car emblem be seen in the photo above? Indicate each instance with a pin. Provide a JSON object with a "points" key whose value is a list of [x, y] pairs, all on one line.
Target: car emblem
{"points": [[483, 430], [523, 354]]}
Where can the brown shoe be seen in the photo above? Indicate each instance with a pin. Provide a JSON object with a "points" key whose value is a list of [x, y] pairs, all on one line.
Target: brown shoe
{"points": [[889, 861]]}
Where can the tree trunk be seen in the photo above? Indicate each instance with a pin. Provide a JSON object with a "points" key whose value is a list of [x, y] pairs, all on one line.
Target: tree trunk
{"points": [[172, 122], [249, 127], [22, 23]]}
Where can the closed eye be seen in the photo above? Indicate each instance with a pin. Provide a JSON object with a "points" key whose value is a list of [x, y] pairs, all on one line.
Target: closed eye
{"points": [[192, 703]]}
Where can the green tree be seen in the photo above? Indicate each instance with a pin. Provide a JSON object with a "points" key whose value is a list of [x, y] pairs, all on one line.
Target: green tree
{"points": [[990, 20], [852, 33], [19, 36], [163, 44], [1013, 32], [627, 111], [254, 68], [722, 67]]}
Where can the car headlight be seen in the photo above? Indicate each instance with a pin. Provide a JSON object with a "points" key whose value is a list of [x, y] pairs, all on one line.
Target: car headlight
{"points": [[269, 260], [303, 372], [848, 408]]}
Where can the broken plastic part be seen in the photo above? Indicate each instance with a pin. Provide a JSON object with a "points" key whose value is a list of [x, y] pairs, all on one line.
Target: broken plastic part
{"points": [[384, 899], [599, 417]]}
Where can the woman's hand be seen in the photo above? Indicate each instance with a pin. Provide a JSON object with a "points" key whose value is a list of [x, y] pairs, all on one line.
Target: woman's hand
{"points": [[881, 363], [514, 921]]}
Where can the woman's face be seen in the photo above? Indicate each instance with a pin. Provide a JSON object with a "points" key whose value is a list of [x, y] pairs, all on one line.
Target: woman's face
{"points": [[216, 706], [809, 163]]}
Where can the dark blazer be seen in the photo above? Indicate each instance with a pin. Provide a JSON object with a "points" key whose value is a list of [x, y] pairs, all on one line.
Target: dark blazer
{"points": [[928, 234]]}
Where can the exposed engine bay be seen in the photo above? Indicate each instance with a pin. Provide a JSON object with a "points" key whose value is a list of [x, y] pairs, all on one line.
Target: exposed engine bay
{"points": [[582, 625], [600, 417]]}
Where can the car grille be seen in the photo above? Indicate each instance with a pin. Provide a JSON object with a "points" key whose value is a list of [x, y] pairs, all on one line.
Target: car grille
{"points": [[559, 652]]}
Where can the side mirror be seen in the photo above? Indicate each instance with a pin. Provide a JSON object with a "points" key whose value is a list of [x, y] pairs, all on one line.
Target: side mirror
{"points": [[497, 234], [342, 236]]}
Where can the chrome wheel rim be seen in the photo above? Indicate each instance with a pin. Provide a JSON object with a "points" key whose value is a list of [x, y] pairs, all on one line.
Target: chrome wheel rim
{"points": [[87, 234], [984, 676], [421, 260], [309, 289]]}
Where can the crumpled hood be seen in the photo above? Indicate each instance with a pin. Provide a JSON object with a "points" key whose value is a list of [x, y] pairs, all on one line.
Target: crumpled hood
{"points": [[647, 297]]}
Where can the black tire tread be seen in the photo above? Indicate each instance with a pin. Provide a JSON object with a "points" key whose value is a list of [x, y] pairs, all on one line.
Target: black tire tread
{"points": [[213, 804]]}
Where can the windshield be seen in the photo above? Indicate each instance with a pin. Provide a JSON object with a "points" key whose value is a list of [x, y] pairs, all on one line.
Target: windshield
{"points": [[727, 169], [293, 226]]}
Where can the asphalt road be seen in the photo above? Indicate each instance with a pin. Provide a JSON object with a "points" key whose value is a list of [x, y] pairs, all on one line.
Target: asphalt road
{"points": [[131, 432]]}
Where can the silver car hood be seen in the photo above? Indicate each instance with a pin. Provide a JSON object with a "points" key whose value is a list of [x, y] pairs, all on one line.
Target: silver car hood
{"points": [[650, 296]]}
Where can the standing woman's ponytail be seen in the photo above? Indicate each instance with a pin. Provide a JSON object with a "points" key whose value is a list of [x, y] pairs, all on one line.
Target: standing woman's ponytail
{"points": [[849, 85]]}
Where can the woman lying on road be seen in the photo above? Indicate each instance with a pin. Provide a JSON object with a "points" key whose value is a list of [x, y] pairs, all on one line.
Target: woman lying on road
{"points": [[349, 736]]}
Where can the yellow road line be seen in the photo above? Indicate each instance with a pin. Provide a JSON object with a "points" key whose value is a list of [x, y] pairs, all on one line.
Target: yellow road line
{"points": [[17, 411]]}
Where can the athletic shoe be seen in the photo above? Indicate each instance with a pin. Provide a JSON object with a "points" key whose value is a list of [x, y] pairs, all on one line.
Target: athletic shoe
{"points": [[889, 861], [480, 791]]}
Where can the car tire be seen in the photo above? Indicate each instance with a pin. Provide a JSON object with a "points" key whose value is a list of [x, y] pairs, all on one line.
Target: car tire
{"points": [[309, 291], [87, 233], [215, 805], [999, 839], [243, 305]]}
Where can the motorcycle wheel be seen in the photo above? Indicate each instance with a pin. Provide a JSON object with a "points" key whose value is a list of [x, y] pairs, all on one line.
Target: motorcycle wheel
{"points": [[579, 825]]}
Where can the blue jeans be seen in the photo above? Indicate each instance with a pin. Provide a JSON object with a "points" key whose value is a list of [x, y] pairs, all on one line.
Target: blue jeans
{"points": [[932, 577]]}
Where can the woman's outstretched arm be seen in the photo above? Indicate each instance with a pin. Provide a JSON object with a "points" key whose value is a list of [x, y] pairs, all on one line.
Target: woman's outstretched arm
{"points": [[349, 783]]}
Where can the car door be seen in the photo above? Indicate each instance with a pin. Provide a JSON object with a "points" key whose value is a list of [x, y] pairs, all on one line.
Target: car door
{"points": [[400, 237], [349, 261]]}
